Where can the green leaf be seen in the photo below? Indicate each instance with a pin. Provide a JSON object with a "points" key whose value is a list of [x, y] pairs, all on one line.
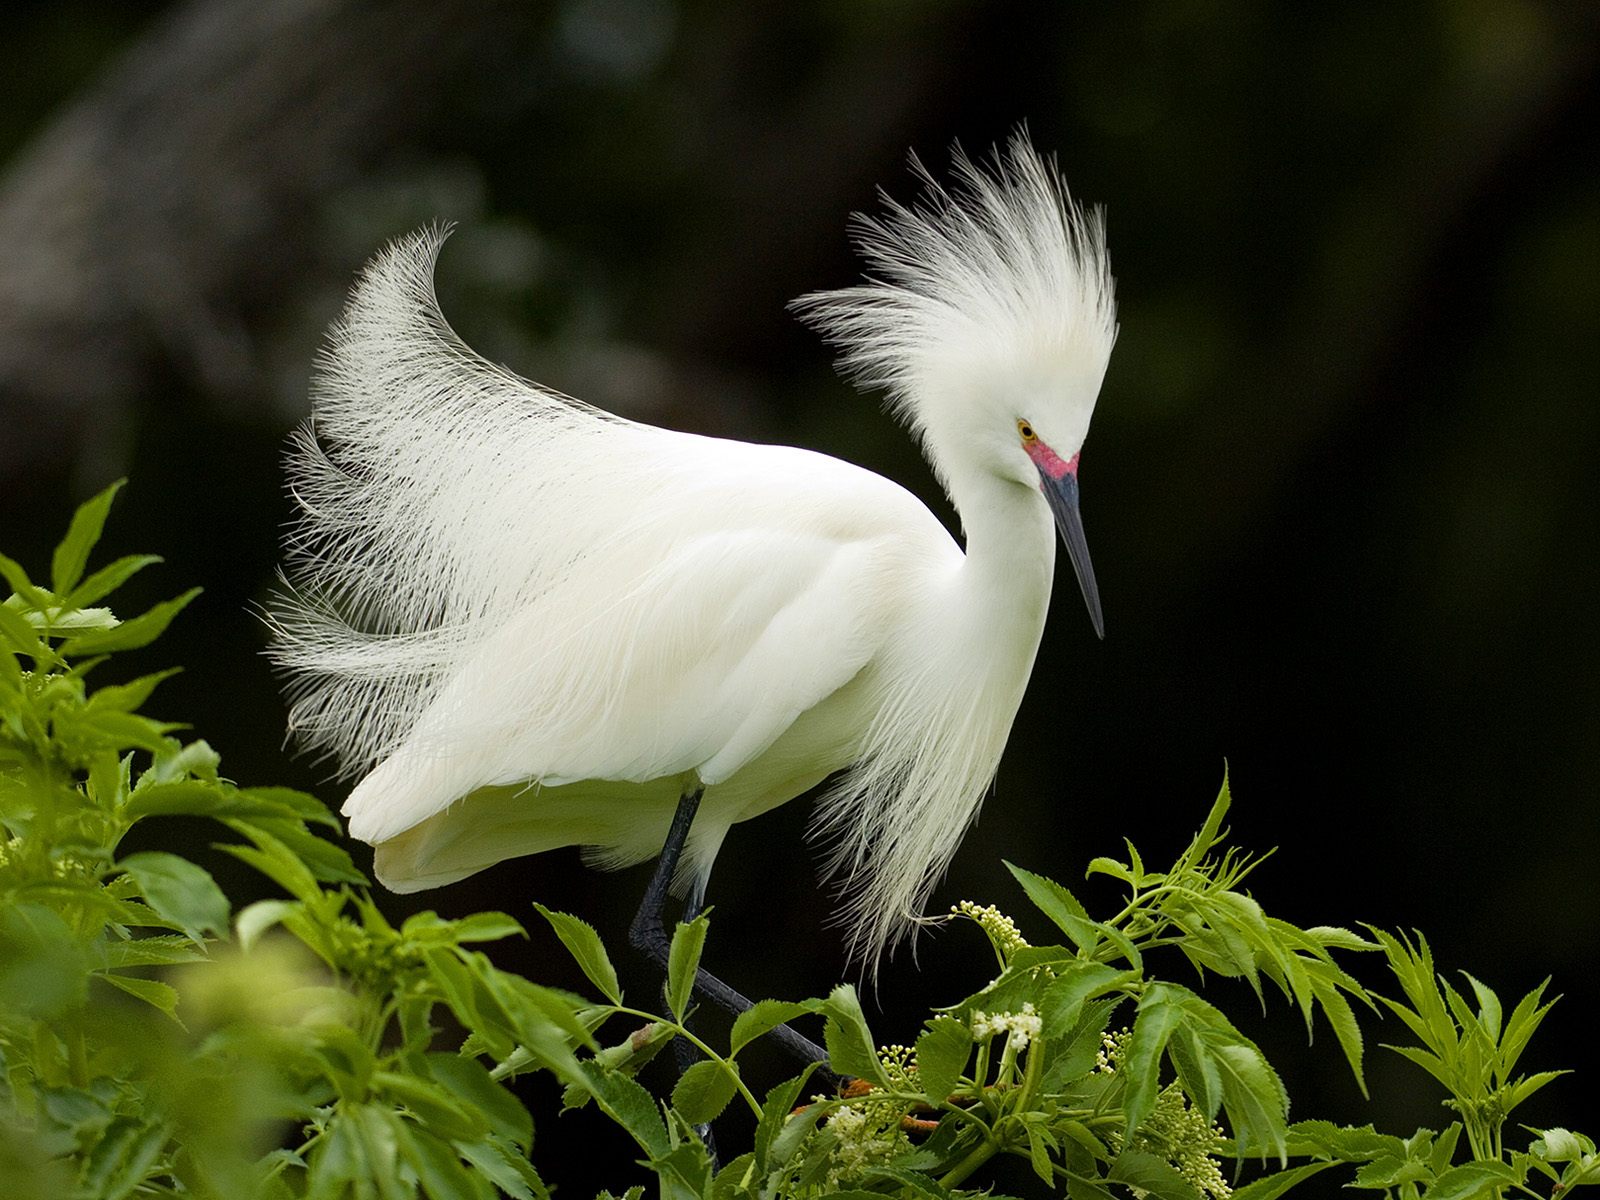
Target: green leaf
{"points": [[1560, 1145], [1161, 1008], [630, 1106], [486, 927], [584, 944], [849, 1041], [71, 556], [1060, 905], [277, 862], [1150, 1174], [683, 963], [1471, 1180], [22, 637], [776, 1109], [35, 597], [1338, 1012], [128, 697], [1270, 1187], [152, 991], [943, 1051], [439, 1168], [507, 1170], [472, 1084], [434, 1104], [1077, 984], [155, 951], [131, 634], [108, 579], [764, 1016], [180, 891], [121, 1158], [703, 1091], [1523, 1088]]}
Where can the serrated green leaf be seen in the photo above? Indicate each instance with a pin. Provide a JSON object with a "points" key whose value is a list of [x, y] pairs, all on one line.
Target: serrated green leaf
{"points": [[276, 861], [764, 1016], [1471, 1180], [1524, 1088], [439, 1168], [108, 579], [776, 1107], [133, 633], [1101, 865], [588, 951], [943, 1052], [1150, 1174], [72, 555], [630, 1106], [1160, 1010], [1341, 1019], [180, 891], [1560, 1145], [432, 1103], [1077, 984], [704, 1090], [472, 1084], [1039, 1152], [506, 1168], [155, 951], [851, 1049], [683, 963], [20, 636], [1270, 1187], [152, 991], [121, 1158], [35, 597], [1060, 906], [128, 697]]}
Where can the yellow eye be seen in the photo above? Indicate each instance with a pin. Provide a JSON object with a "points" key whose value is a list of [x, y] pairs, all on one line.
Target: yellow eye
{"points": [[1026, 430]]}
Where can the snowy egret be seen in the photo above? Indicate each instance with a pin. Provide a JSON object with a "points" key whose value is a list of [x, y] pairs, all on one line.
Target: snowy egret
{"points": [[528, 623]]}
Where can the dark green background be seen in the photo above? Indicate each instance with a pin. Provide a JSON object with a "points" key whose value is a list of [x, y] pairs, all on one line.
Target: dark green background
{"points": [[1339, 490]]}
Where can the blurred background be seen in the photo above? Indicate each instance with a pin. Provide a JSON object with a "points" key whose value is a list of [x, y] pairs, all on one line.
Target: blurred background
{"points": [[1339, 491]]}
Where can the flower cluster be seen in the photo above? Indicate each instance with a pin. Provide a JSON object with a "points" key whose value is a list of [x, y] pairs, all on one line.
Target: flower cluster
{"points": [[900, 1065], [1109, 1056], [1178, 1132], [1001, 929], [865, 1135], [1175, 1130], [1023, 1026]]}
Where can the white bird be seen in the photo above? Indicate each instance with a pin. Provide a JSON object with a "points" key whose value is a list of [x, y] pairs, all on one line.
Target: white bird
{"points": [[527, 623]]}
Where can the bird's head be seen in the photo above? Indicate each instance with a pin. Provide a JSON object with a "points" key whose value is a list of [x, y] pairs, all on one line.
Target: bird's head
{"points": [[988, 317]]}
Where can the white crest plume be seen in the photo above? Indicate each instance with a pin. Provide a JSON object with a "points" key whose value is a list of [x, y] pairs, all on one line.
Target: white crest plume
{"points": [[970, 289], [531, 624]]}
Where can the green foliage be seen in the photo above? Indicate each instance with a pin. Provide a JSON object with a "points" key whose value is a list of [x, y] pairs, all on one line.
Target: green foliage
{"points": [[156, 1040]]}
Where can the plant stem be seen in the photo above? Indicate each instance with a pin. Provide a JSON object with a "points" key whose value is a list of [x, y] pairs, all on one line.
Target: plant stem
{"points": [[980, 1154]]}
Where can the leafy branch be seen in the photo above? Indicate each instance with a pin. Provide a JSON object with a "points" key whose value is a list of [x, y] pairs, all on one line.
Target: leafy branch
{"points": [[156, 1040]]}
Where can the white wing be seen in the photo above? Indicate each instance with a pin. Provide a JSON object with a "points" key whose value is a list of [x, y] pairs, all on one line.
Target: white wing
{"points": [[493, 583]]}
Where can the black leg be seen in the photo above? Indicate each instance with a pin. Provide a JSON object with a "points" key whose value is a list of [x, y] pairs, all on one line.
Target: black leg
{"points": [[649, 935]]}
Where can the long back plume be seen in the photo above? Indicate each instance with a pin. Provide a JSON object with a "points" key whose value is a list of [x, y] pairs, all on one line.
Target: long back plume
{"points": [[413, 478]]}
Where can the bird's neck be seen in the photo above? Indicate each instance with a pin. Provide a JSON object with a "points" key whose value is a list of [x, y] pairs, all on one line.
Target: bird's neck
{"points": [[1010, 561]]}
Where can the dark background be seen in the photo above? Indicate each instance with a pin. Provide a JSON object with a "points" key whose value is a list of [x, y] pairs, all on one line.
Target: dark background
{"points": [[1339, 488]]}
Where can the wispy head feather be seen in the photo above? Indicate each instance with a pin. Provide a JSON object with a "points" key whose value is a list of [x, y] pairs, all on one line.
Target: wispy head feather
{"points": [[978, 289]]}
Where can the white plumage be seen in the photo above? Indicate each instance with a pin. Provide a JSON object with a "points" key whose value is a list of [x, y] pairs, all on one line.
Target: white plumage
{"points": [[529, 624]]}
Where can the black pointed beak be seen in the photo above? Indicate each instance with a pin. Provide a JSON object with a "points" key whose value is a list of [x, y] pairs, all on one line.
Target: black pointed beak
{"points": [[1061, 492]]}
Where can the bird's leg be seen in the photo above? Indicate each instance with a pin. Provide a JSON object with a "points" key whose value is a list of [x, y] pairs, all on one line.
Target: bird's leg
{"points": [[649, 935]]}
